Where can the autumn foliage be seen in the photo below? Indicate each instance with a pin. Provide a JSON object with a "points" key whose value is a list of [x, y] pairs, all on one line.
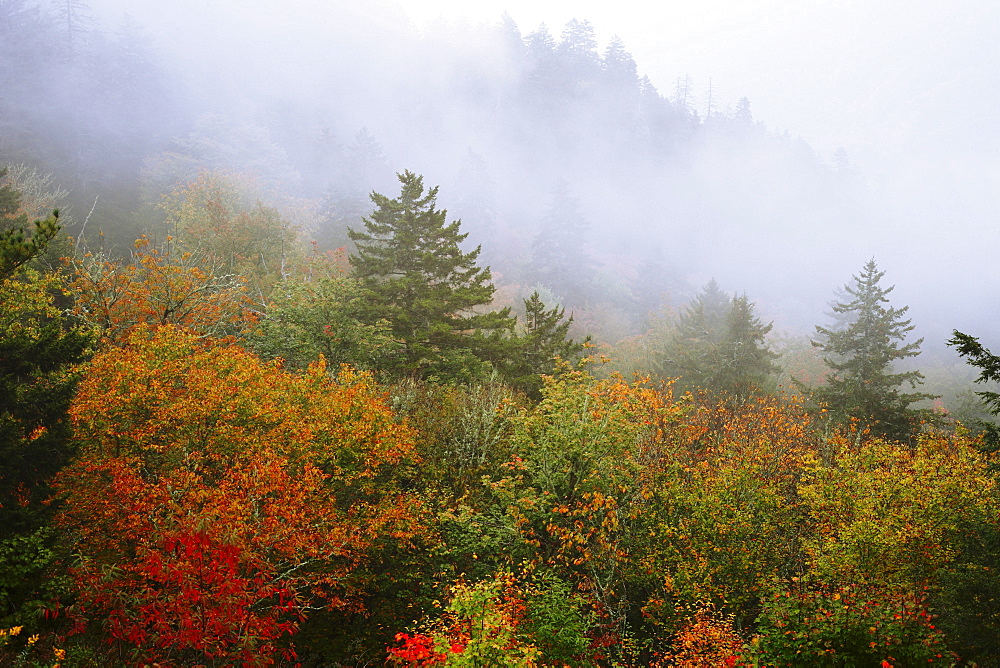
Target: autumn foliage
{"points": [[482, 625], [707, 640], [222, 509], [156, 287], [220, 217], [219, 498]]}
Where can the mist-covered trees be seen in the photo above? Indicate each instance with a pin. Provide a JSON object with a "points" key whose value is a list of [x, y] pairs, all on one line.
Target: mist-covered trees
{"points": [[409, 259], [477, 206], [537, 106], [360, 168], [561, 259], [860, 352], [719, 345], [220, 219], [747, 361]]}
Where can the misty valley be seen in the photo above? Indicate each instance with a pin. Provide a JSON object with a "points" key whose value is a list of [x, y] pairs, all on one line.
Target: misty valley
{"points": [[467, 346]]}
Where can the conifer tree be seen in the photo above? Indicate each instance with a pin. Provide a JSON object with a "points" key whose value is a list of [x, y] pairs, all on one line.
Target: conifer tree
{"points": [[980, 357], [560, 258], [860, 353], [39, 348], [746, 363], [578, 50], [691, 351], [16, 247], [719, 345], [539, 348], [417, 278]]}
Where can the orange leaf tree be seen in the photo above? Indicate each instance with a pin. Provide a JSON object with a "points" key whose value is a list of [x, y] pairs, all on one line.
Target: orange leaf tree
{"points": [[218, 499], [717, 516], [156, 288], [571, 494], [222, 217], [653, 505], [707, 640]]}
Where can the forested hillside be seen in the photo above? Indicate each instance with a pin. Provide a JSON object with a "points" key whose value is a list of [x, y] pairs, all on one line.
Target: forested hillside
{"points": [[574, 171], [460, 362]]}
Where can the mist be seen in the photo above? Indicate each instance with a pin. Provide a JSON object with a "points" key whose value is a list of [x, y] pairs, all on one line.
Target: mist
{"points": [[773, 148]]}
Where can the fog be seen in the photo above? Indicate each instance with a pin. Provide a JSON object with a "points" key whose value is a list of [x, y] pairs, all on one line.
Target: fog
{"points": [[872, 131]]}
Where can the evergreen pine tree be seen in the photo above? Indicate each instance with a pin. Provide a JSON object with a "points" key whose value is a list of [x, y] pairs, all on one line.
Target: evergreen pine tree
{"points": [[409, 260], [860, 354], [578, 51], [560, 260], [543, 90], [719, 345], [691, 351], [511, 41], [539, 348], [619, 65], [745, 362], [16, 248], [77, 24], [980, 357], [38, 350], [620, 90]]}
